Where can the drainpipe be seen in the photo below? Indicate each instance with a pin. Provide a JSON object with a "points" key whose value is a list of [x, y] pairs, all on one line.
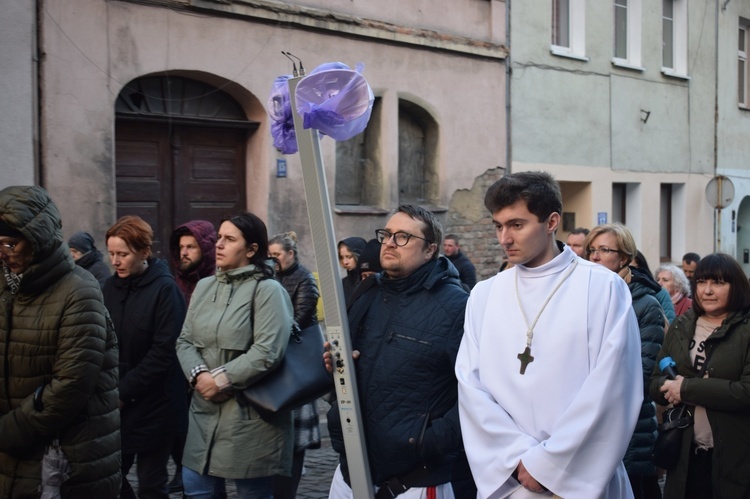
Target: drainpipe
{"points": [[36, 106], [717, 231], [508, 75]]}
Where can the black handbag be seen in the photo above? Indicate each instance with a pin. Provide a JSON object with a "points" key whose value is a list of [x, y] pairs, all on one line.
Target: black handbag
{"points": [[668, 446], [300, 377]]}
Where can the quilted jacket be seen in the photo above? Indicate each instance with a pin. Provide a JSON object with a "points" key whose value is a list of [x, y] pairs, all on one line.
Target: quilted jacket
{"points": [[56, 334], [408, 332], [651, 323], [303, 291]]}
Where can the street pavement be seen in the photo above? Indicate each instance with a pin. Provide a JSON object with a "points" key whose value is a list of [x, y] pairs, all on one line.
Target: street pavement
{"points": [[319, 467]]}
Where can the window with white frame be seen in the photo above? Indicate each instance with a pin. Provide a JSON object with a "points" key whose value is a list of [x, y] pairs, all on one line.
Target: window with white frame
{"points": [[743, 97], [674, 37], [569, 28], [627, 39]]}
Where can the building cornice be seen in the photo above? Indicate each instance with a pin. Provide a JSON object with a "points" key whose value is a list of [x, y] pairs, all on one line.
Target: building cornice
{"points": [[339, 23]]}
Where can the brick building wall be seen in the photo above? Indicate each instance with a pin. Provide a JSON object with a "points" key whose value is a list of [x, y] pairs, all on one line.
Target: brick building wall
{"points": [[472, 223]]}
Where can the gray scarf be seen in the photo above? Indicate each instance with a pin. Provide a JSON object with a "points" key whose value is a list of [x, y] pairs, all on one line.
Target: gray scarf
{"points": [[13, 280]]}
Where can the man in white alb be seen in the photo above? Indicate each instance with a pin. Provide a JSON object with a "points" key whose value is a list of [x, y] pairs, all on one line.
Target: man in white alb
{"points": [[549, 368]]}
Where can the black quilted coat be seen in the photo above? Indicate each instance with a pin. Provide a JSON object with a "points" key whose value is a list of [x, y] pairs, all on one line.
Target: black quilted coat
{"points": [[408, 332], [651, 323], [303, 290], [56, 333]]}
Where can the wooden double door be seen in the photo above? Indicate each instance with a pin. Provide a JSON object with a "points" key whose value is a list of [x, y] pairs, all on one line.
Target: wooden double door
{"points": [[168, 174]]}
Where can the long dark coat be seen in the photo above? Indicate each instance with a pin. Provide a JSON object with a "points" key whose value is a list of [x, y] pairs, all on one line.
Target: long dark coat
{"points": [[725, 394], [148, 310]]}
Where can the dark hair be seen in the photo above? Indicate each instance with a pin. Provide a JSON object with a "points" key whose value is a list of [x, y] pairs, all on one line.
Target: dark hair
{"points": [[452, 237], [288, 241], [580, 230], [722, 267], [641, 263], [433, 229], [538, 190], [135, 231], [691, 257], [254, 232]]}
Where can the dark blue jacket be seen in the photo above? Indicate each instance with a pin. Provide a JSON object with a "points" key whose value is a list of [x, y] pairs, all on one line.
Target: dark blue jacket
{"points": [[408, 332], [651, 322], [466, 271]]}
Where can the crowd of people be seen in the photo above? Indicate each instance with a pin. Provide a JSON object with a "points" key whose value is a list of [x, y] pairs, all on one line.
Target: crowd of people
{"points": [[544, 380]]}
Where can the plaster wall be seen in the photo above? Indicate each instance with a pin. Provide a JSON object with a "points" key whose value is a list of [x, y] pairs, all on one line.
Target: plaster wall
{"points": [[17, 94], [481, 19], [734, 122], [94, 48], [693, 234], [591, 121]]}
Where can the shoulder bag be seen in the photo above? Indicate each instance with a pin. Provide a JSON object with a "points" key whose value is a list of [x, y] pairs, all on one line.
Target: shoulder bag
{"points": [[668, 445], [300, 377]]}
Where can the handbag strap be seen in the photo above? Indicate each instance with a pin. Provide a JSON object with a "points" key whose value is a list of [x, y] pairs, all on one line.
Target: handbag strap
{"points": [[295, 327]]}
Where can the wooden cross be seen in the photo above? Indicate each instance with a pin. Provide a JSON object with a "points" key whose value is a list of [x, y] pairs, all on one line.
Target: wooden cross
{"points": [[525, 359]]}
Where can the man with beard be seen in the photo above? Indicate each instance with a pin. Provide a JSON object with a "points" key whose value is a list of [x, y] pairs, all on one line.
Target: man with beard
{"points": [[192, 247], [192, 251]]}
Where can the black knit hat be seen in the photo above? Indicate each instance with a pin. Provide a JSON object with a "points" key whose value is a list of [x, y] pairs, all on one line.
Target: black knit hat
{"points": [[82, 241], [369, 260], [8, 231]]}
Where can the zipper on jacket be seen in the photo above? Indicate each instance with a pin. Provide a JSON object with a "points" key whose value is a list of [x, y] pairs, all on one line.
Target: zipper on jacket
{"points": [[408, 338], [6, 363]]}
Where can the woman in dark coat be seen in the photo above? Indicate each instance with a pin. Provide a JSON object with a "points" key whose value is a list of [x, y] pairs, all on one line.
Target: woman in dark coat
{"points": [[613, 246], [303, 291], [147, 309], [84, 252], [713, 337]]}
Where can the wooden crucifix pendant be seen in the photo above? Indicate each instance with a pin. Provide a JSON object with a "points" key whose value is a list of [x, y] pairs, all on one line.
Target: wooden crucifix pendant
{"points": [[525, 359]]}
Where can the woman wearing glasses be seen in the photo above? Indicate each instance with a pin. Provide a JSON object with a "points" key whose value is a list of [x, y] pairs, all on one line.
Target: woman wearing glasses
{"points": [[58, 357], [613, 247]]}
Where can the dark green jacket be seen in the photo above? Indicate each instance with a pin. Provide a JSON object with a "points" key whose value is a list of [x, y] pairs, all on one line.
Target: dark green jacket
{"points": [[56, 333], [725, 394]]}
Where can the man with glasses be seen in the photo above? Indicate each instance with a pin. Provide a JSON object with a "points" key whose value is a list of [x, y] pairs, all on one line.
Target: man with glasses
{"points": [[406, 326], [549, 370]]}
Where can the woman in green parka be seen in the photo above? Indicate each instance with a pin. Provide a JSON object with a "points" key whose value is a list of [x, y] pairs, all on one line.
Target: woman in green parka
{"points": [[715, 335], [221, 349], [56, 341]]}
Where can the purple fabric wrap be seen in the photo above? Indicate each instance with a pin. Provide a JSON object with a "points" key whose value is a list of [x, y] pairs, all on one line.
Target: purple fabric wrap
{"points": [[280, 110], [335, 100]]}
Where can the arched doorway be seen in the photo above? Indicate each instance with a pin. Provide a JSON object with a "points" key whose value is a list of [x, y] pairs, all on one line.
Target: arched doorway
{"points": [[179, 153]]}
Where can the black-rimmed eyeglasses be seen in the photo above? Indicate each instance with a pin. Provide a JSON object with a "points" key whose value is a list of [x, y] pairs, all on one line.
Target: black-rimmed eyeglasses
{"points": [[400, 238]]}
